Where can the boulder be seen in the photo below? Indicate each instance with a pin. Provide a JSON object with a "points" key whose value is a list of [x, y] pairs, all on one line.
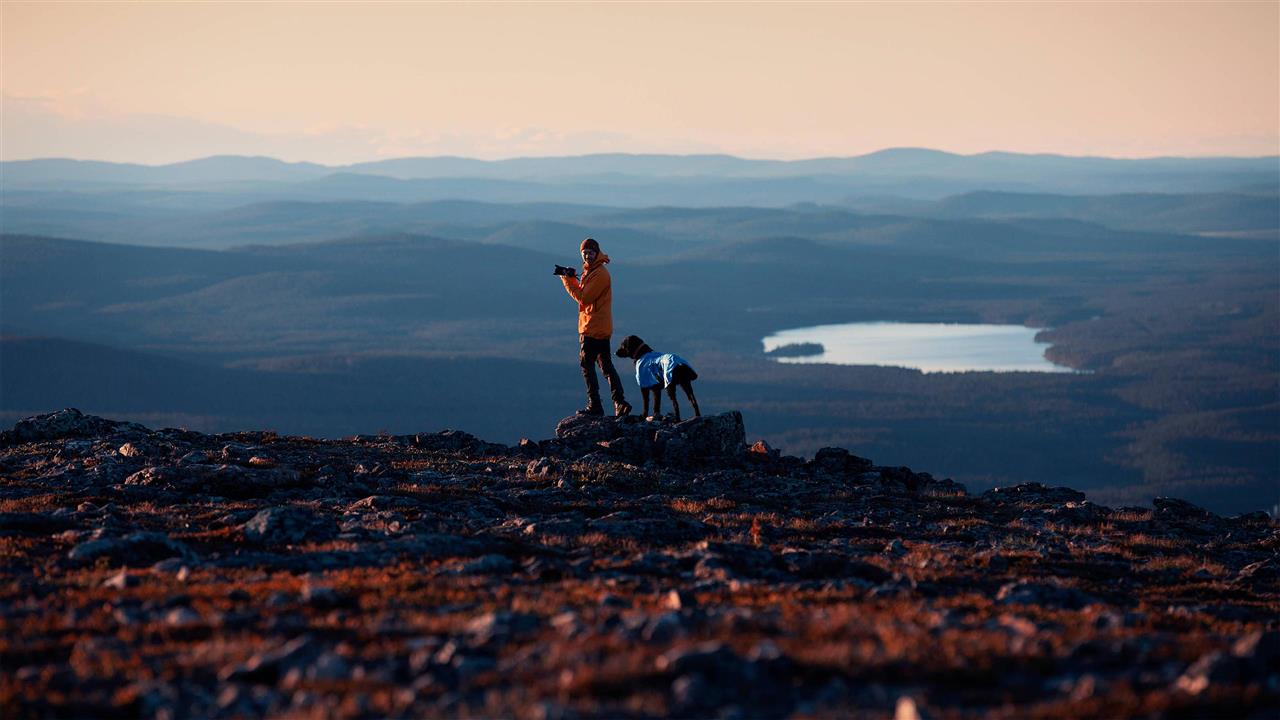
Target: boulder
{"points": [[270, 665], [634, 446], [136, 549], [1033, 493], [289, 525], [586, 431], [241, 482], [1045, 595], [134, 449], [161, 476], [1168, 508], [838, 461], [710, 437], [544, 468], [66, 423], [492, 564]]}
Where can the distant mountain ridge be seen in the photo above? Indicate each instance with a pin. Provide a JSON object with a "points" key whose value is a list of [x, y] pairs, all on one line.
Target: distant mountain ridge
{"points": [[893, 161]]}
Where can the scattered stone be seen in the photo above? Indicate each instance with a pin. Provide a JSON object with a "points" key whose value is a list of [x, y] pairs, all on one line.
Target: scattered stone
{"points": [[121, 580], [664, 628], [182, 617], [1033, 494], [195, 457], [838, 461], [761, 450], [269, 666], [321, 596], [907, 709], [1173, 508], [1263, 572], [501, 626], [678, 600], [1209, 669], [1261, 649], [289, 525], [131, 450], [544, 468], [134, 550], [327, 667], [162, 476], [489, 565], [1030, 593]]}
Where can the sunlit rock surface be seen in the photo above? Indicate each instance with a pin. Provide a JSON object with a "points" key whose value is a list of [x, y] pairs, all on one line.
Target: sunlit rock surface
{"points": [[623, 568]]}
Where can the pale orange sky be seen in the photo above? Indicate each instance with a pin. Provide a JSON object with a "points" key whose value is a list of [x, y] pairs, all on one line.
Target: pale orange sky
{"points": [[329, 82]]}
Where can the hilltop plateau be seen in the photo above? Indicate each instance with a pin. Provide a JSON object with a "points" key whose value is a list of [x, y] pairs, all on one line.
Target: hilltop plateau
{"points": [[624, 568]]}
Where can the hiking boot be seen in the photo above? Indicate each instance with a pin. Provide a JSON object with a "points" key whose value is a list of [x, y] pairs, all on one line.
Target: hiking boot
{"points": [[621, 409], [595, 410]]}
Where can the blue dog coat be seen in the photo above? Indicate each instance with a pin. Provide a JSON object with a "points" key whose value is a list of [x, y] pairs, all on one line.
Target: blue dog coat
{"points": [[656, 369]]}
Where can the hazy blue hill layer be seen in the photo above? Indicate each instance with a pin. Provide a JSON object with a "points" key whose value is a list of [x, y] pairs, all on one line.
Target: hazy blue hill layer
{"points": [[164, 219], [642, 180], [291, 299], [322, 397], [1177, 213], [550, 237], [135, 219]]}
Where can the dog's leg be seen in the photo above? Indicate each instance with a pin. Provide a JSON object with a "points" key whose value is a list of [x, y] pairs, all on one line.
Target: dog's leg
{"points": [[675, 406], [644, 393], [688, 390], [657, 401]]}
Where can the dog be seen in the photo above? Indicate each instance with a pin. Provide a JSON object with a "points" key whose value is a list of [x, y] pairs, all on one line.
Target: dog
{"points": [[655, 370]]}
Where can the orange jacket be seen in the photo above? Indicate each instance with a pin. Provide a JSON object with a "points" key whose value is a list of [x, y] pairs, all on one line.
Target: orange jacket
{"points": [[594, 295]]}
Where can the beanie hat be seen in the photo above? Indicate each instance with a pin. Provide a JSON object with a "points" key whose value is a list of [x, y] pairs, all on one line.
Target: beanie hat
{"points": [[590, 244]]}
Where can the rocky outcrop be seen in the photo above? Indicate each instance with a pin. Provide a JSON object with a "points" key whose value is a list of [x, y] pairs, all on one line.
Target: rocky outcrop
{"points": [[700, 440], [68, 423], [621, 568]]}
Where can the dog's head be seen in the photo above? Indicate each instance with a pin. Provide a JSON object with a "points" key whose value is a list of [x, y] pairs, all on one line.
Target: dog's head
{"points": [[633, 347]]}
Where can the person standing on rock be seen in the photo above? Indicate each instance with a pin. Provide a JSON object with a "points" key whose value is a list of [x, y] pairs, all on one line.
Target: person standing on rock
{"points": [[594, 294]]}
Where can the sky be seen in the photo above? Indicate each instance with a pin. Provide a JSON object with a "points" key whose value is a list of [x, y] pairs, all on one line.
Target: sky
{"points": [[157, 82]]}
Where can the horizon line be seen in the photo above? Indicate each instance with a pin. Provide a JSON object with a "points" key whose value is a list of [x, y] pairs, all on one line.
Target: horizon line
{"points": [[904, 148]]}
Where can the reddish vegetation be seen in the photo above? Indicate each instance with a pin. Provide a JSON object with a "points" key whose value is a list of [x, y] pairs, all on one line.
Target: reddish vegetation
{"points": [[624, 569]]}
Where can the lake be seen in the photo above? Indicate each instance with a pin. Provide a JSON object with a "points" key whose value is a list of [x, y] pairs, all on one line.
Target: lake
{"points": [[929, 347]]}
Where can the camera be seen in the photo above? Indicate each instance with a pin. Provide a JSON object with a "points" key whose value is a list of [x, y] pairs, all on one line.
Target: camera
{"points": [[562, 270]]}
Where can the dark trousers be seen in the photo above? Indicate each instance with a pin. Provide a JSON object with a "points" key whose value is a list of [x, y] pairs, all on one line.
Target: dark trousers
{"points": [[596, 351]]}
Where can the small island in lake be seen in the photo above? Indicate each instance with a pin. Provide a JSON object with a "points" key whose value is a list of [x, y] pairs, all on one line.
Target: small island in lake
{"points": [[803, 349]]}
